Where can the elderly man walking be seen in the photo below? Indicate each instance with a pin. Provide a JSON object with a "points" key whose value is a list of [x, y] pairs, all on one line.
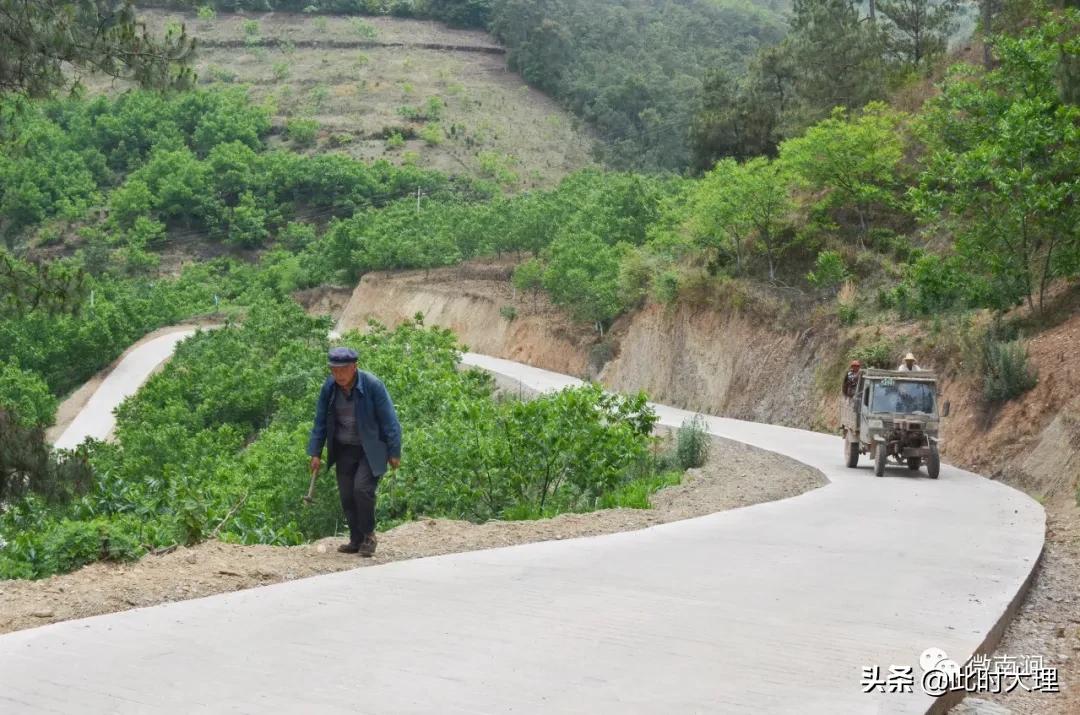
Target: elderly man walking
{"points": [[355, 418]]}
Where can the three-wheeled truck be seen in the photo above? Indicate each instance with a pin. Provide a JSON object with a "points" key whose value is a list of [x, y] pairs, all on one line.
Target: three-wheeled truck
{"points": [[894, 415]]}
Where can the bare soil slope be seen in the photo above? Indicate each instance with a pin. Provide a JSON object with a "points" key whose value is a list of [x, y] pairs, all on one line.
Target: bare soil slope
{"points": [[358, 77]]}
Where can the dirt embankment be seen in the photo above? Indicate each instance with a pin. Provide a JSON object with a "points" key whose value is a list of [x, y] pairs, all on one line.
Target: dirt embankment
{"points": [[478, 303], [729, 362], [731, 478]]}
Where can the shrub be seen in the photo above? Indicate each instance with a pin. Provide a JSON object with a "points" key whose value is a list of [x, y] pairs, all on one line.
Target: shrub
{"points": [[829, 271], [666, 287], [364, 29], [508, 311], [635, 494], [206, 14], [395, 141], [26, 396], [432, 134], [847, 313], [880, 355], [220, 74], [281, 70], [692, 447], [302, 132], [1007, 373]]}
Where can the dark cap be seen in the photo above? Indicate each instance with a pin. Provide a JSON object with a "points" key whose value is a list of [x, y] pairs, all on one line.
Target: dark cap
{"points": [[341, 356]]}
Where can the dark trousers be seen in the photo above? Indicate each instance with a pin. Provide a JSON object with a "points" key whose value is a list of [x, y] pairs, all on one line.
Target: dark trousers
{"points": [[356, 487]]}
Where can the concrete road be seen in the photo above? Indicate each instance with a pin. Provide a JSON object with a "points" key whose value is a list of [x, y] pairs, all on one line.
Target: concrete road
{"points": [[774, 608], [97, 419]]}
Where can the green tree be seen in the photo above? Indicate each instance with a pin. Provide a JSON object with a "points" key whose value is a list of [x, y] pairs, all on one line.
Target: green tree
{"points": [[749, 204], [1001, 166], [582, 276], [529, 276], [837, 56], [855, 159], [918, 30], [41, 37], [247, 223], [25, 396], [829, 271]]}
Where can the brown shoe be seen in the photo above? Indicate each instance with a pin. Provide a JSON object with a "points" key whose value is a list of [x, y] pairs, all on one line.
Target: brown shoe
{"points": [[367, 546], [348, 548]]}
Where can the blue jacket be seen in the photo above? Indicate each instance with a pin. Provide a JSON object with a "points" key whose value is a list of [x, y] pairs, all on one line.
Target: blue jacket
{"points": [[380, 431]]}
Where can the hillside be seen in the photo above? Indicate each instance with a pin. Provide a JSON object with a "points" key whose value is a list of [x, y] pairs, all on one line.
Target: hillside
{"points": [[408, 91]]}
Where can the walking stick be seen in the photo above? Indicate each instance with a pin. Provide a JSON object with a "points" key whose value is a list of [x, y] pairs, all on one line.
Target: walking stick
{"points": [[310, 496]]}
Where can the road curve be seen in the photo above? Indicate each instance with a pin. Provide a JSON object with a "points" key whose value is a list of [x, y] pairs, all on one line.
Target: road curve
{"points": [[96, 419], [773, 608]]}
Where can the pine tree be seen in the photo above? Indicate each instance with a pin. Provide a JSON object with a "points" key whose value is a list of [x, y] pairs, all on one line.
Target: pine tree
{"points": [[41, 40]]}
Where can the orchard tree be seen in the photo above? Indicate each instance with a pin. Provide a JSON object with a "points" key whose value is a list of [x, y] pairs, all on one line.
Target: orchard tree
{"points": [[582, 276], [41, 37]]}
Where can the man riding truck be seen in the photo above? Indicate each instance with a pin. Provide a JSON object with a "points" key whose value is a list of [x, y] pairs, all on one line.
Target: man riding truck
{"points": [[851, 379], [356, 420], [908, 365]]}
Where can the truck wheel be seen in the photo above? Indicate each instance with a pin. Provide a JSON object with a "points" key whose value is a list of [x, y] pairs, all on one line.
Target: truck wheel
{"points": [[879, 461], [913, 463], [851, 451], [933, 462]]}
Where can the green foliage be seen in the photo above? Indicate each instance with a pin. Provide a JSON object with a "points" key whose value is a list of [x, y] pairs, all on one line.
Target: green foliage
{"points": [[829, 271], [667, 287], [832, 57], [635, 494], [251, 28], [44, 36], [856, 160], [508, 311], [206, 14], [213, 443], [692, 445], [26, 397], [432, 134], [880, 354], [1001, 166], [918, 30], [52, 288], [582, 276], [281, 71], [302, 132], [1007, 373], [631, 69], [395, 141], [364, 29], [737, 207], [29, 471]]}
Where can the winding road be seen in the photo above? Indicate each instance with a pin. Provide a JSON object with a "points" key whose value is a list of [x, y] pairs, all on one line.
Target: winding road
{"points": [[773, 608]]}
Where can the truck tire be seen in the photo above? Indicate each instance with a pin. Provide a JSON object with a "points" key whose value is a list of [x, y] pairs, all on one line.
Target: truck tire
{"points": [[879, 460], [851, 452], [913, 463], [933, 462]]}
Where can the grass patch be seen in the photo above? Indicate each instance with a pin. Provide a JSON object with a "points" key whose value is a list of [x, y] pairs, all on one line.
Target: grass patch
{"points": [[635, 494]]}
